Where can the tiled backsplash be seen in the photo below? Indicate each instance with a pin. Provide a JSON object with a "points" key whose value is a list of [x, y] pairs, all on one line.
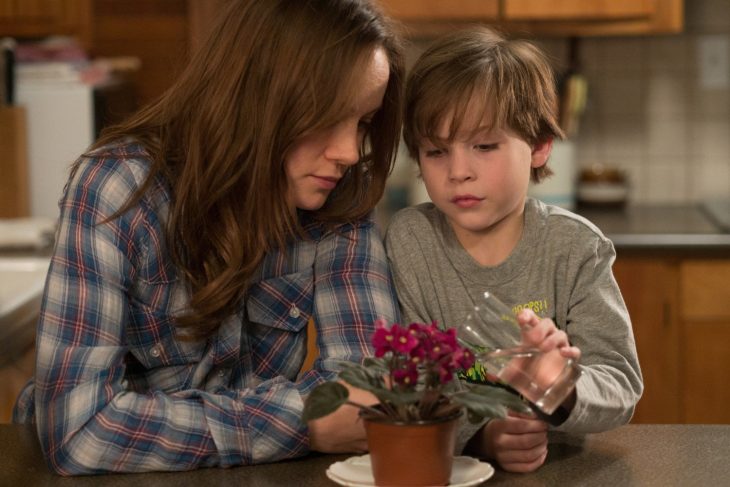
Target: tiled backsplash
{"points": [[650, 114], [648, 111]]}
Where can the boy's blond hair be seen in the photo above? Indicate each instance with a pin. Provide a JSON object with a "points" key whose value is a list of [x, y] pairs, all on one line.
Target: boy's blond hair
{"points": [[510, 80]]}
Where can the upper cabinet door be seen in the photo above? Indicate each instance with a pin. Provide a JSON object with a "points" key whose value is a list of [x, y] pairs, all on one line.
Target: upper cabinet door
{"points": [[39, 18], [542, 17], [434, 10], [35, 10], [593, 17], [577, 9]]}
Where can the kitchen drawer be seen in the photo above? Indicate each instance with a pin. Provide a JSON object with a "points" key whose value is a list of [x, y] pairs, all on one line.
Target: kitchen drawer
{"points": [[704, 291]]}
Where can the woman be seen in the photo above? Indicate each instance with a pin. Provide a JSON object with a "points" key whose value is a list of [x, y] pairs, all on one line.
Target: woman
{"points": [[197, 239]]}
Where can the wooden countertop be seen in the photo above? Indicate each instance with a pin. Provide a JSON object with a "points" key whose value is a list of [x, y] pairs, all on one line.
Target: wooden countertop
{"points": [[631, 455]]}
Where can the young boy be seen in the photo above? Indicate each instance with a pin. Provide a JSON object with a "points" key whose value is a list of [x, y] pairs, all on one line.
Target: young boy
{"points": [[480, 121]]}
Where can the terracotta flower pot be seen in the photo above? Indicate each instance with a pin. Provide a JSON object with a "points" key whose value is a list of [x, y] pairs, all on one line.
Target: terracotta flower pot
{"points": [[411, 454]]}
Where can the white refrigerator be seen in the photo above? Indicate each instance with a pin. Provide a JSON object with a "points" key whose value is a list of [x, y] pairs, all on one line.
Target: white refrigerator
{"points": [[60, 118]]}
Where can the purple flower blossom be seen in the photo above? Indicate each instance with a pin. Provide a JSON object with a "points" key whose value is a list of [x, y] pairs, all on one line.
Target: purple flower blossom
{"points": [[411, 377], [394, 339], [420, 349], [463, 358], [407, 376]]}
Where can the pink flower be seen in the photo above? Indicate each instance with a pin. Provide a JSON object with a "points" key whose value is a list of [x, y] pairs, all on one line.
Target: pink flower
{"points": [[407, 376], [418, 353], [421, 349], [383, 339], [395, 339], [405, 341], [414, 366], [438, 350], [463, 358], [448, 337], [446, 373]]}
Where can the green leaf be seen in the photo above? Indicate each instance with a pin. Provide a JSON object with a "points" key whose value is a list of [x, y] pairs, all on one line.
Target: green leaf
{"points": [[372, 381], [477, 373], [375, 364], [398, 398], [357, 376], [482, 401], [323, 400]]}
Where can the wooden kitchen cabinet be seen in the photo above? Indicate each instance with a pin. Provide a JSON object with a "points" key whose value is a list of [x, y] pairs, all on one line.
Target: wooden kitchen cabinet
{"points": [[704, 298], [154, 31], [681, 321], [430, 10], [650, 292], [545, 17], [577, 9], [593, 17], [40, 18]]}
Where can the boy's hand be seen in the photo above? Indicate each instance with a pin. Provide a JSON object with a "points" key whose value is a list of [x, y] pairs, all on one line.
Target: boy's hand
{"points": [[544, 335], [518, 443]]}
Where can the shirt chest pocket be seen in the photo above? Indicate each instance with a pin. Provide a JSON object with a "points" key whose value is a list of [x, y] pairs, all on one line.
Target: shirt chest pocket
{"points": [[151, 330], [283, 302]]}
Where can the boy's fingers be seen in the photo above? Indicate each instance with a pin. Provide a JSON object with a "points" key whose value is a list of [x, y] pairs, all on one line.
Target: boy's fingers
{"points": [[570, 352], [557, 339], [520, 425], [534, 331], [522, 463], [527, 317]]}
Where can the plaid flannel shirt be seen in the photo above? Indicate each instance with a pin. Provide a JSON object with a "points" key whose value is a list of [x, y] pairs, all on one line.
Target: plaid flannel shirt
{"points": [[115, 390]]}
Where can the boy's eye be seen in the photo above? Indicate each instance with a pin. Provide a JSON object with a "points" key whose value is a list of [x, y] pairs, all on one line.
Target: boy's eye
{"points": [[433, 152], [486, 147]]}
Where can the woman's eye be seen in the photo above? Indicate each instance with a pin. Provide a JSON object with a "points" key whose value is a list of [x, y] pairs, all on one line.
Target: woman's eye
{"points": [[486, 147], [364, 125]]}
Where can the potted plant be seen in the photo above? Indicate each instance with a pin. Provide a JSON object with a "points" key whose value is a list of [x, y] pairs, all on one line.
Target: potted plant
{"points": [[411, 432]]}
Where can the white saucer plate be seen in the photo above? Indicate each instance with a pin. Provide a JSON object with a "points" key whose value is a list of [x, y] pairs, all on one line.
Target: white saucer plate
{"points": [[356, 472]]}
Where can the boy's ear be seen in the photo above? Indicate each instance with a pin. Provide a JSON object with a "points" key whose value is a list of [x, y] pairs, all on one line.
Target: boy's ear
{"points": [[541, 152]]}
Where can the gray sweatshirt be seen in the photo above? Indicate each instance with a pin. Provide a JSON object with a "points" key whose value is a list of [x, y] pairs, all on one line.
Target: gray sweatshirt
{"points": [[561, 268]]}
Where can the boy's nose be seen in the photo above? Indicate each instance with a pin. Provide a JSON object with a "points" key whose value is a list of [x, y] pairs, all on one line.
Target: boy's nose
{"points": [[459, 167], [343, 145]]}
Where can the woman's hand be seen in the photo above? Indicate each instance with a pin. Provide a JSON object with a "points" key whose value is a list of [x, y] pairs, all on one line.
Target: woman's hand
{"points": [[518, 443], [342, 431], [542, 334]]}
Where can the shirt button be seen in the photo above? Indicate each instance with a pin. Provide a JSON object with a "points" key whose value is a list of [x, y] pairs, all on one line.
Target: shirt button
{"points": [[155, 351], [294, 312]]}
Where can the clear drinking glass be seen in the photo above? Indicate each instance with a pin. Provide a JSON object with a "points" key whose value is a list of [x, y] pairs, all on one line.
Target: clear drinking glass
{"points": [[492, 332]]}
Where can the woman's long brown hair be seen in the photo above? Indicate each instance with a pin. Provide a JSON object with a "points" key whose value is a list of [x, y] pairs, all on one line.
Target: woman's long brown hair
{"points": [[271, 72]]}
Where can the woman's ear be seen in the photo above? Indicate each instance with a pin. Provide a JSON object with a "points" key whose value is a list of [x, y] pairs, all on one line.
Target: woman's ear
{"points": [[541, 152]]}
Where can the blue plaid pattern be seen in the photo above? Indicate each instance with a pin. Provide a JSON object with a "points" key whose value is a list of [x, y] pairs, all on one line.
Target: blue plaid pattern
{"points": [[115, 390]]}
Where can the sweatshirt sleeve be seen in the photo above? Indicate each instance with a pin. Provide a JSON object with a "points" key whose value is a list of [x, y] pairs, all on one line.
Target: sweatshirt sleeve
{"points": [[598, 323]]}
